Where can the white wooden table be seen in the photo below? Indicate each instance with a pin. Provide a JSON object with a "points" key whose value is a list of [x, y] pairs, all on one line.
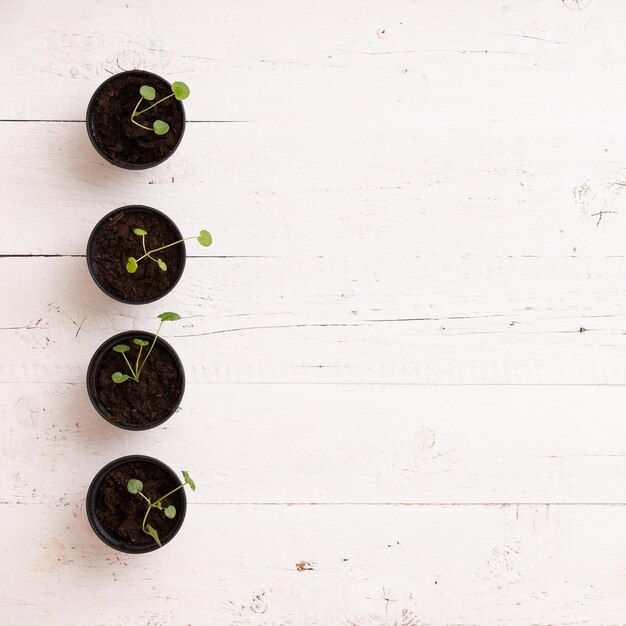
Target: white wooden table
{"points": [[405, 351]]}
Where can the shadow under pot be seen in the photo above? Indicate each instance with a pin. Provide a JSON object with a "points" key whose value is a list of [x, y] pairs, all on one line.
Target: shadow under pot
{"points": [[130, 404], [114, 240], [116, 515], [122, 142]]}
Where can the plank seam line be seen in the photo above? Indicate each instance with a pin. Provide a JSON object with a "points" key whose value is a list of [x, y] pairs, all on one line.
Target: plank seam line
{"points": [[83, 121], [344, 383], [374, 504]]}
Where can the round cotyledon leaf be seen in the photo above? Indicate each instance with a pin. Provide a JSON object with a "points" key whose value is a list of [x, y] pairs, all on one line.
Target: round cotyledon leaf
{"points": [[131, 265], [147, 92], [168, 316], [180, 90], [170, 511], [134, 485], [204, 238], [160, 127], [189, 480], [121, 347], [118, 377]]}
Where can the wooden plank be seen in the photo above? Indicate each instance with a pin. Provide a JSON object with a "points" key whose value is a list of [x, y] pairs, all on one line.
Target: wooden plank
{"points": [[334, 443], [422, 321], [415, 187], [410, 316], [323, 60], [380, 566]]}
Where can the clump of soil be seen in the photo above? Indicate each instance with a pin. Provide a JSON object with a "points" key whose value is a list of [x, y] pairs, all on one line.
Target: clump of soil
{"points": [[114, 242], [140, 404], [121, 512], [123, 142]]}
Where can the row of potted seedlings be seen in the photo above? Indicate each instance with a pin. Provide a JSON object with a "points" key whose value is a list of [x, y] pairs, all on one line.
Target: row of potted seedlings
{"points": [[136, 255]]}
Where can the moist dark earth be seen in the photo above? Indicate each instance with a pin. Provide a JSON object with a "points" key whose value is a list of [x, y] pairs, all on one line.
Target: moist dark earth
{"points": [[115, 241], [121, 512], [157, 394], [122, 141]]}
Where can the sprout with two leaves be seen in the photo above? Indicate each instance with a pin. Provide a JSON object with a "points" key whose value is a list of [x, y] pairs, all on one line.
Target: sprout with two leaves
{"points": [[204, 239], [180, 91], [135, 486], [123, 349]]}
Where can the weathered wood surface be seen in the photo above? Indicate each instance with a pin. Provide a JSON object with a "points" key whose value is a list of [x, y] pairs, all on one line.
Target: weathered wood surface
{"points": [[312, 565], [405, 350], [359, 444], [479, 320]]}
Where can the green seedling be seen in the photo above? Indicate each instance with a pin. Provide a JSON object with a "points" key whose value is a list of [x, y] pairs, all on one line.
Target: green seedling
{"points": [[135, 486], [204, 239], [123, 349], [180, 91]]}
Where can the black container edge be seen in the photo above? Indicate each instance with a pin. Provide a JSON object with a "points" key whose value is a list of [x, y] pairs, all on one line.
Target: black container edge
{"points": [[90, 505]]}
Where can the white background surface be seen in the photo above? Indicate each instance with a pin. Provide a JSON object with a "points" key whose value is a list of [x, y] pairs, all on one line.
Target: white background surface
{"points": [[405, 350]]}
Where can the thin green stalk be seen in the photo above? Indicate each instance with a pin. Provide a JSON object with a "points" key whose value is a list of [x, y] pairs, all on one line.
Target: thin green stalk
{"points": [[169, 494], [143, 243], [135, 376], [152, 105], [136, 107], [169, 245], [145, 498], [134, 114], [140, 125], [145, 519], [151, 348], [138, 357]]}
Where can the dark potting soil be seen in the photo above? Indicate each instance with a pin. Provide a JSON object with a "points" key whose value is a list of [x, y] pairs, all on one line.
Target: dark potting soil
{"points": [[121, 140], [115, 241], [138, 404], [121, 512]]}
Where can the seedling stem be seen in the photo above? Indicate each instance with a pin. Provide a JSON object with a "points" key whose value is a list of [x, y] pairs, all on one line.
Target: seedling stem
{"points": [[135, 371], [135, 486]]}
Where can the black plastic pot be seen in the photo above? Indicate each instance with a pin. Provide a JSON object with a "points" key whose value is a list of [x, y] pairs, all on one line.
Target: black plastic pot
{"points": [[105, 535], [92, 262], [118, 114], [107, 347]]}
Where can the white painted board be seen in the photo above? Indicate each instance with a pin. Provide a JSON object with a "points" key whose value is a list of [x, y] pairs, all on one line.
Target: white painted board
{"points": [[404, 351]]}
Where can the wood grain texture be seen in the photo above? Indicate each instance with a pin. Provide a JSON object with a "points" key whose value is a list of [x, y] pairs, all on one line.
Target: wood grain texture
{"points": [[311, 565], [335, 444], [419, 187], [379, 320], [404, 351]]}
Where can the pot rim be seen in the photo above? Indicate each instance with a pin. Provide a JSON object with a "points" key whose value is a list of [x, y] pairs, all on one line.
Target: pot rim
{"points": [[97, 355], [131, 166], [134, 208], [98, 528]]}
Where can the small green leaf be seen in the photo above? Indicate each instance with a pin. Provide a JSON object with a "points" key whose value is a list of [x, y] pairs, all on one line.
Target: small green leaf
{"points": [[170, 511], [120, 347], [181, 91], [140, 231], [118, 377], [205, 239], [134, 485], [140, 342], [131, 266], [160, 127], [154, 534], [189, 481], [147, 92], [162, 265], [168, 316]]}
